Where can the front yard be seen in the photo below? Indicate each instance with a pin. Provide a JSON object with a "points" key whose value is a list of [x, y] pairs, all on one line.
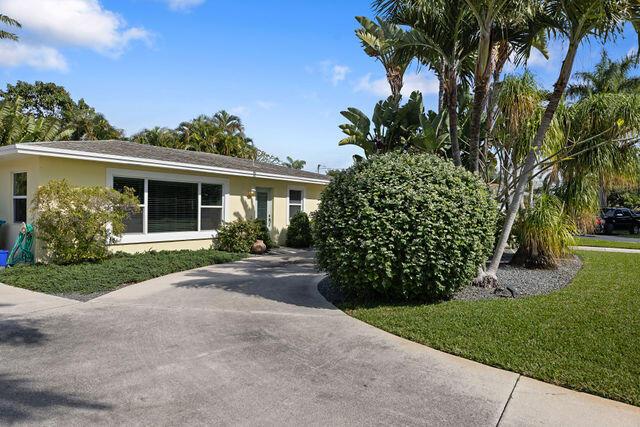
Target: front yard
{"points": [[585, 336], [82, 281]]}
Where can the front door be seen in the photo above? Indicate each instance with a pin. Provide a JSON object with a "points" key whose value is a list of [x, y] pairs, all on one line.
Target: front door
{"points": [[263, 205]]}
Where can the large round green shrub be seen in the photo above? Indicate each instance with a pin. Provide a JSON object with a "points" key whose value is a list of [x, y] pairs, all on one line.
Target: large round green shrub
{"points": [[404, 227]]}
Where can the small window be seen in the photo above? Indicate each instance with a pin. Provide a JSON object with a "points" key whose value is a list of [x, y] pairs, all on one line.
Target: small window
{"points": [[295, 202], [134, 223], [210, 206], [20, 197]]}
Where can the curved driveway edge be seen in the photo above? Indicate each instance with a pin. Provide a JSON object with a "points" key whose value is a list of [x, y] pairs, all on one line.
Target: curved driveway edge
{"points": [[248, 343]]}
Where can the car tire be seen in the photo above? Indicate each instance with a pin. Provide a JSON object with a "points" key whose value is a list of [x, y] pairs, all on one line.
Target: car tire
{"points": [[635, 229], [609, 229]]}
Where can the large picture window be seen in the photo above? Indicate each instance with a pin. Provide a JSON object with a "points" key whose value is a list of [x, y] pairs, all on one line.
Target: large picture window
{"points": [[171, 206], [20, 197]]}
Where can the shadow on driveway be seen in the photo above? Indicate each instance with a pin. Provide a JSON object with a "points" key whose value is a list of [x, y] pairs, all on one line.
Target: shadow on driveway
{"points": [[275, 278], [20, 332], [20, 399]]}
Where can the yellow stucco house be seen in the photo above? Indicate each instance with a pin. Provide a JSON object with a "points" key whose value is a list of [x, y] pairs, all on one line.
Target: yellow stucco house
{"points": [[184, 195]]}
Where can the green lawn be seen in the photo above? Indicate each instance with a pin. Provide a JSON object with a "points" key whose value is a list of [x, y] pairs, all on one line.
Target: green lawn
{"points": [[586, 336], [120, 269], [583, 241]]}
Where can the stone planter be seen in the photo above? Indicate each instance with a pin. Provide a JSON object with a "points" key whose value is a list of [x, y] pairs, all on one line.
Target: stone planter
{"points": [[258, 247]]}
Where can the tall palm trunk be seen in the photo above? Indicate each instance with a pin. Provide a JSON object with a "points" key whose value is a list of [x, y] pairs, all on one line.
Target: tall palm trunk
{"points": [[501, 60], [452, 108], [394, 77], [484, 69], [489, 278]]}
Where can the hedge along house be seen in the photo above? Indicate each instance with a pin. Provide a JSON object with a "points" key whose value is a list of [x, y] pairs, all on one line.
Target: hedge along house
{"points": [[184, 195]]}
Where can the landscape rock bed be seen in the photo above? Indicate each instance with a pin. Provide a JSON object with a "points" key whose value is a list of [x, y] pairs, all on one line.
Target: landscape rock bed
{"points": [[522, 281]]}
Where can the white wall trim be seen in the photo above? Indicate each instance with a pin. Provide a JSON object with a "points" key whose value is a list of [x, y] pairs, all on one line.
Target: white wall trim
{"points": [[111, 158]]}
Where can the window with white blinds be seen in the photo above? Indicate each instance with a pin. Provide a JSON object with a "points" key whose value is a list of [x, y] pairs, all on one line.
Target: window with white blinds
{"points": [[172, 206]]}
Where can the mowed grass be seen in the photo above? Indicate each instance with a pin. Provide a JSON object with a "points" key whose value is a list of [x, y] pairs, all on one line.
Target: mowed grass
{"points": [[586, 336], [584, 241], [118, 270]]}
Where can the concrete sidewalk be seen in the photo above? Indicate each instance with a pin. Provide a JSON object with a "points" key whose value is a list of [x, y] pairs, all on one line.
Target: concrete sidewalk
{"points": [[250, 343]]}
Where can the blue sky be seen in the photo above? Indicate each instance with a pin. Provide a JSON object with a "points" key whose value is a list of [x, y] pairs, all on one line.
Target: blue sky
{"points": [[287, 68]]}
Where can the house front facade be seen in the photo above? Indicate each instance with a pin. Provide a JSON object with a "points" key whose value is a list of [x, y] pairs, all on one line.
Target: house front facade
{"points": [[184, 196]]}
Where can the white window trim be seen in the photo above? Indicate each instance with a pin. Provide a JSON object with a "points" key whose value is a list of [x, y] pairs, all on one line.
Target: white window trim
{"points": [[302, 201], [147, 237], [14, 197]]}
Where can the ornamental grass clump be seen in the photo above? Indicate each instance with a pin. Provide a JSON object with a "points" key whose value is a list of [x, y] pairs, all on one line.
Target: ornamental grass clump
{"points": [[544, 233], [406, 227], [78, 224]]}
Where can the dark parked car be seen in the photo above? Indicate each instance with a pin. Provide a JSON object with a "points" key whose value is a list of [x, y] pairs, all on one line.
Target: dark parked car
{"points": [[618, 219]]}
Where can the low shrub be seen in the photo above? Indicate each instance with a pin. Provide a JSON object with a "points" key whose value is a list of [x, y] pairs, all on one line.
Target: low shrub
{"points": [[77, 224], [237, 236], [544, 233], [409, 227], [264, 234], [299, 231]]}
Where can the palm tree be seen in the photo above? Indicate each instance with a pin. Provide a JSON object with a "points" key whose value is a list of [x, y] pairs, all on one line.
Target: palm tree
{"points": [[158, 136], [380, 41], [295, 164], [573, 20], [608, 77], [444, 39], [228, 123], [6, 35]]}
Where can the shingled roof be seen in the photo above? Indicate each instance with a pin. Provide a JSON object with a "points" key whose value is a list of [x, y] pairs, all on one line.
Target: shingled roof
{"points": [[133, 150]]}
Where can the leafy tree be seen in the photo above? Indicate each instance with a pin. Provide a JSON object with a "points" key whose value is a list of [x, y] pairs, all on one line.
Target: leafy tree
{"points": [[294, 164], [379, 41], [17, 127], [48, 100], [88, 124], [10, 22], [395, 127], [40, 98]]}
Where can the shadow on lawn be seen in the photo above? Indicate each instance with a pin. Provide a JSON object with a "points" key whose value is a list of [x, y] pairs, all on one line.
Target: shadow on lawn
{"points": [[287, 278], [20, 399]]}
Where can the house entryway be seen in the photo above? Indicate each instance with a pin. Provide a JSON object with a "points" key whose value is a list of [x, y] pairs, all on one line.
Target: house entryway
{"points": [[264, 205]]}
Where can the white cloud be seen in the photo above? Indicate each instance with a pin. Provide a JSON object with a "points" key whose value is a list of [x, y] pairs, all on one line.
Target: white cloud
{"points": [[239, 110], [41, 57], [329, 70], [83, 23], [266, 105], [183, 5], [427, 85], [339, 73]]}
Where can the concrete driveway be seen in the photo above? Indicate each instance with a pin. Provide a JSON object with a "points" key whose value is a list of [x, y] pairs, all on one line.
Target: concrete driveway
{"points": [[250, 343]]}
